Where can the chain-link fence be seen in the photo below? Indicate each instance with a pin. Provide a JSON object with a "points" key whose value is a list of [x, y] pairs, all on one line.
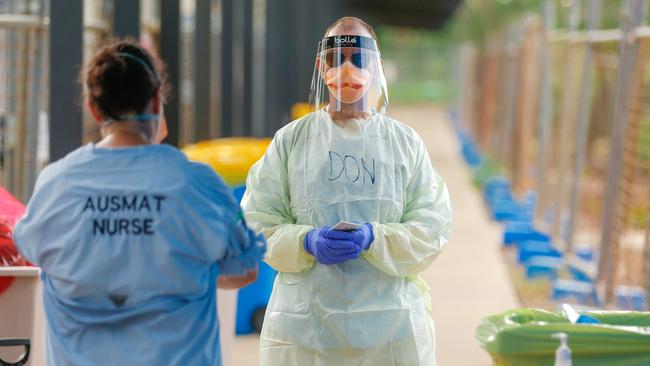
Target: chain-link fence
{"points": [[555, 50], [632, 209], [566, 113], [23, 103], [98, 15], [24, 78], [591, 176]]}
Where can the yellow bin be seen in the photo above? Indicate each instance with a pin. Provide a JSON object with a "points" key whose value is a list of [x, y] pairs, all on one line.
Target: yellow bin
{"points": [[231, 158]]}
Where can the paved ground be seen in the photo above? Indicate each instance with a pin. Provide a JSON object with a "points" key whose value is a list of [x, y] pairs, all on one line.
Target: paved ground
{"points": [[469, 280]]}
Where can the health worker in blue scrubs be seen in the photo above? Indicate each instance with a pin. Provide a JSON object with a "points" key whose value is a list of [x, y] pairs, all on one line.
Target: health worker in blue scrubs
{"points": [[132, 238]]}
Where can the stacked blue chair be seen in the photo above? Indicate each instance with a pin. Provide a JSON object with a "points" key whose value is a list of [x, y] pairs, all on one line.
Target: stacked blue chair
{"points": [[517, 232], [582, 265], [504, 207], [583, 292], [469, 150], [631, 298], [543, 267]]}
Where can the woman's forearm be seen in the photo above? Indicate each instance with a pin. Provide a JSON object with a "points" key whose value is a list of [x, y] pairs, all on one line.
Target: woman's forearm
{"points": [[237, 282]]}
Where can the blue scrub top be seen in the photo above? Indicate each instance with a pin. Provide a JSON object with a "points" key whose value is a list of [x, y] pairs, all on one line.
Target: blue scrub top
{"points": [[130, 242]]}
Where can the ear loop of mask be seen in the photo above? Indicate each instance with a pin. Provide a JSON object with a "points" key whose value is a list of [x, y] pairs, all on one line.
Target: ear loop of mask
{"points": [[136, 117]]}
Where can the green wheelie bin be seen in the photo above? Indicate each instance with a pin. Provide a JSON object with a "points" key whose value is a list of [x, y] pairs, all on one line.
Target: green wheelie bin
{"points": [[522, 337]]}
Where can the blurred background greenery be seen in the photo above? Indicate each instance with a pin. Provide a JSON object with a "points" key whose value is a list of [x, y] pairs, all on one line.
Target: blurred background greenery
{"points": [[411, 53]]}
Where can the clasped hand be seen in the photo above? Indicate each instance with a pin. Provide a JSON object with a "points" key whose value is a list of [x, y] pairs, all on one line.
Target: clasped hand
{"points": [[330, 246]]}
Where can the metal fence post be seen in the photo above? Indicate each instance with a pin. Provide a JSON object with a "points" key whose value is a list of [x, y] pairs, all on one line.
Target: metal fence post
{"points": [[632, 16], [202, 46], [66, 45], [126, 18], [170, 52], [566, 117], [546, 104], [37, 42], [584, 115], [259, 78]]}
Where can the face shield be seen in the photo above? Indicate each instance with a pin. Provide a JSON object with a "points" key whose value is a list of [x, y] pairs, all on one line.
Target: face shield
{"points": [[348, 76]]}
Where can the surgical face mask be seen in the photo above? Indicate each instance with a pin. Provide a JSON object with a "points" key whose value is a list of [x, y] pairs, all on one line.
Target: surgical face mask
{"points": [[161, 128], [348, 75], [346, 81], [145, 117]]}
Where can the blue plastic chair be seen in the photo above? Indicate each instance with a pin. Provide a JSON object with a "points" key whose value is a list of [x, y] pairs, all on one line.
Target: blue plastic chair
{"points": [[631, 298], [543, 267], [517, 232], [531, 249], [583, 292]]}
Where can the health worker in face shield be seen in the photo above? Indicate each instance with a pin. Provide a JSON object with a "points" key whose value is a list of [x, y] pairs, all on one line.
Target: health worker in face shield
{"points": [[353, 212], [132, 238]]}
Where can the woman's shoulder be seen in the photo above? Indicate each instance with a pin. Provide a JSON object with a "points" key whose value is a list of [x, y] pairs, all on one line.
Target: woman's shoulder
{"points": [[203, 172], [57, 167], [92, 153], [205, 179], [91, 159]]}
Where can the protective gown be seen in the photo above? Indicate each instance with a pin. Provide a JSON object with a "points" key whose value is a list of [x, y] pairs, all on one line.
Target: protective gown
{"points": [[368, 311]]}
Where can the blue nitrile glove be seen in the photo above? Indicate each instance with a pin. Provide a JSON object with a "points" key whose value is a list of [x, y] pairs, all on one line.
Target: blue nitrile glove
{"points": [[329, 251], [363, 236]]}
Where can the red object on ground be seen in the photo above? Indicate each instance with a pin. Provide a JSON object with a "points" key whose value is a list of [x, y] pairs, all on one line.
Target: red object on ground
{"points": [[11, 210], [9, 255]]}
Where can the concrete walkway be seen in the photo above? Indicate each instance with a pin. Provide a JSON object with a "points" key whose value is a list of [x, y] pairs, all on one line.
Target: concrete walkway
{"points": [[469, 280]]}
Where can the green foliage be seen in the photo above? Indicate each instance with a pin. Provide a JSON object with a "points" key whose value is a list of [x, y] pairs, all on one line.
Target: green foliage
{"points": [[478, 18], [424, 59], [416, 64]]}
